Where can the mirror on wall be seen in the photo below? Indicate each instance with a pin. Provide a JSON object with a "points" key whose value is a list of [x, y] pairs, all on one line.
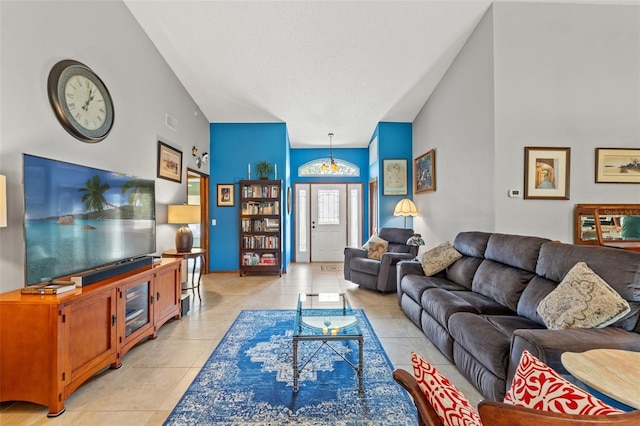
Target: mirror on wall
{"points": [[618, 225]]}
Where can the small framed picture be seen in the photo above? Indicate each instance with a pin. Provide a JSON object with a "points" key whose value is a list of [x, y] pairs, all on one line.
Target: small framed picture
{"points": [[546, 173], [617, 165], [394, 176], [425, 172], [225, 195], [169, 162]]}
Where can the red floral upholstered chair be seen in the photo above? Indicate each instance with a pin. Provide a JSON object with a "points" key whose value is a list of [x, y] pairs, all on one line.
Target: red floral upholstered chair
{"points": [[538, 396]]}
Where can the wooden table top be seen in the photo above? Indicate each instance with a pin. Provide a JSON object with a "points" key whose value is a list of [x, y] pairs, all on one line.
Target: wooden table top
{"points": [[175, 253], [614, 372]]}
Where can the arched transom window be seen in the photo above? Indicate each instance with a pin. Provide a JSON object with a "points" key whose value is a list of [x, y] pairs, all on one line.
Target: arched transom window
{"points": [[315, 168]]}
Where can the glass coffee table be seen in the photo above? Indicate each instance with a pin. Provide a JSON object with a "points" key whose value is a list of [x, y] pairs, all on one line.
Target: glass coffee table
{"points": [[328, 318]]}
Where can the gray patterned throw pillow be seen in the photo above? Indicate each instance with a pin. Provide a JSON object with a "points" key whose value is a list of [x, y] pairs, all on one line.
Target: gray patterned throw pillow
{"points": [[582, 300], [438, 258]]}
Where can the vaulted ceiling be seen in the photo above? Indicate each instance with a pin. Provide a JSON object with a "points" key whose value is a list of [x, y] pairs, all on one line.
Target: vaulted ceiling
{"points": [[319, 66]]}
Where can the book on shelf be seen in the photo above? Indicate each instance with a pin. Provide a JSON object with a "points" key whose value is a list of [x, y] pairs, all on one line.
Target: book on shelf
{"points": [[49, 288]]}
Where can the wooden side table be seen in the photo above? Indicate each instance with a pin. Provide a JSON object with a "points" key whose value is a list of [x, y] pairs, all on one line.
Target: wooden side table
{"points": [[614, 372], [196, 253]]}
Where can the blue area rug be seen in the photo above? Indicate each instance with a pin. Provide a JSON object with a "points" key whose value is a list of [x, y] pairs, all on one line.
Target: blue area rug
{"points": [[248, 380]]}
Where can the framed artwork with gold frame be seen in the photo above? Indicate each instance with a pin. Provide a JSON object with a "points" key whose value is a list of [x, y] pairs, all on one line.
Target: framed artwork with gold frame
{"points": [[424, 169], [546, 173], [226, 194]]}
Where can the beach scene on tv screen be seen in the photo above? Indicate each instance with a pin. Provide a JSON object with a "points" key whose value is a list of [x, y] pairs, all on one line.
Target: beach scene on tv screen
{"points": [[79, 218]]}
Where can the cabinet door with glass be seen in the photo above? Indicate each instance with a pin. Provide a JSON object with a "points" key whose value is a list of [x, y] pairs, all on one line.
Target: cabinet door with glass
{"points": [[135, 311]]}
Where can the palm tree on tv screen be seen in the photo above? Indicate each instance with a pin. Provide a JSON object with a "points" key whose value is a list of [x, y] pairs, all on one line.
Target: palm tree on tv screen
{"points": [[93, 197], [141, 191]]}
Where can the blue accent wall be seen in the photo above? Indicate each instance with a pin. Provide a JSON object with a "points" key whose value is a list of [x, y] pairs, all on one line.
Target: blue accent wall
{"points": [[394, 141], [233, 147]]}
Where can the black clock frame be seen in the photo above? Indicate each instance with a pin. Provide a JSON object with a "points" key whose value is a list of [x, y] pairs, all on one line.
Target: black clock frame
{"points": [[62, 72]]}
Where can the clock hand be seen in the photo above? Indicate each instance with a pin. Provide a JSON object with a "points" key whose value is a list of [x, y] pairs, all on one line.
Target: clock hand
{"points": [[89, 99]]}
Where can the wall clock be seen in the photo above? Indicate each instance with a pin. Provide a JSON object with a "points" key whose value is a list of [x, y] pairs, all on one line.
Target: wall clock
{"points": [[80, 101]]}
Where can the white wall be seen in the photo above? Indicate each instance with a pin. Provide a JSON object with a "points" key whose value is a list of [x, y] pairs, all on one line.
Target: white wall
{"points": [[457, 122], [104, 36], [565, 75]]}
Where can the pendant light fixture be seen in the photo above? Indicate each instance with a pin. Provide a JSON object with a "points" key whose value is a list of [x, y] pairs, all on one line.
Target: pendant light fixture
{"points": [[332, 166]]}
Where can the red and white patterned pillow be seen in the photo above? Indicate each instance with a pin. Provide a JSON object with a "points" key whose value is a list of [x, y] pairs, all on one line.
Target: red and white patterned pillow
{"points": [[449, 403], [537, 386]]}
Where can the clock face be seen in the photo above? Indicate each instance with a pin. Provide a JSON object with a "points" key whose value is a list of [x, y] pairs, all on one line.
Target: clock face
{"points": [[80, 101], [85, 102]]}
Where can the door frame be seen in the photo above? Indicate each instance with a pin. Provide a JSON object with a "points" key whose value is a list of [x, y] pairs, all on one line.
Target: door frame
{"points": [[204, 214], [308, 185], [373, 206]]}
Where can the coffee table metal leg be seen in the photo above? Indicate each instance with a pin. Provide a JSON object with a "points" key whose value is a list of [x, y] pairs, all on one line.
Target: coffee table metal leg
{"points": [[360, 365], [296, 373]]}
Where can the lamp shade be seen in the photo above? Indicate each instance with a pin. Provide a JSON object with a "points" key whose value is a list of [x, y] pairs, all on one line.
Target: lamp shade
{"points": [[3, 201], [405, 207], [182, 214]]}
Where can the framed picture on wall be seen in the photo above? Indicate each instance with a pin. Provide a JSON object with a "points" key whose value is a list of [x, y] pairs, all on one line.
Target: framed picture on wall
{"points": [[225, 195], [424, 169], [617, 165], [546, 173], [394, 176], [169, 162]]}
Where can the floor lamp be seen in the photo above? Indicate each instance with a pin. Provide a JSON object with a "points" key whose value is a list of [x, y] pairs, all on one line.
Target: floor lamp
{"points": [[405, 207]]}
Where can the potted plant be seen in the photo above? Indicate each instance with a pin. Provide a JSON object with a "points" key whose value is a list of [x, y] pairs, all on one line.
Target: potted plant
{"points": [[263, 168]]}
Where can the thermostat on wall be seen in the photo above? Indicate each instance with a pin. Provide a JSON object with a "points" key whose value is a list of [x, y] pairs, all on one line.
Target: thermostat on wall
{"points": [[514, 193]]}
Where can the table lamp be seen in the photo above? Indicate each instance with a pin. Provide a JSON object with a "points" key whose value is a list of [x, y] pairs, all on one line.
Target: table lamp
{"points": [[405, 207], [3, 201], [184, 214]]}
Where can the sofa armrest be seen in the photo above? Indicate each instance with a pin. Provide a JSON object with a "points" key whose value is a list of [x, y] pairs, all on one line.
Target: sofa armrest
{"points": [[406, 267], [409, 267], [350, 253], [548, 345], [388, 264]]}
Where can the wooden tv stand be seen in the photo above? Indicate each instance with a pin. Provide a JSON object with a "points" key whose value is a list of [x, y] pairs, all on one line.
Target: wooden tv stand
{"points": [[50, 345]]}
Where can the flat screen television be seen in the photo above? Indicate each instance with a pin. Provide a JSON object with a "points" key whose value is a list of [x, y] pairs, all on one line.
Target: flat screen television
{"points": [[78, 218]]}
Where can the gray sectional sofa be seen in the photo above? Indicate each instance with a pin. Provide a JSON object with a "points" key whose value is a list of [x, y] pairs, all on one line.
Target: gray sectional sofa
{"points": [[481, 311]]}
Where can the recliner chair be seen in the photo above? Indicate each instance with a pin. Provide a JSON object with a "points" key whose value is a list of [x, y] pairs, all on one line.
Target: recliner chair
{"points": [[380, 274]]}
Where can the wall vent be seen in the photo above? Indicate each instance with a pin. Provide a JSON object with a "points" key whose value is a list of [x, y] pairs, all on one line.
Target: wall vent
{"points": [[171, 122]]}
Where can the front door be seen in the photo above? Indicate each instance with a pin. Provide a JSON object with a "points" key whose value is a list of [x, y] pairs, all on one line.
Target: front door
{"points": [[328, 222]]}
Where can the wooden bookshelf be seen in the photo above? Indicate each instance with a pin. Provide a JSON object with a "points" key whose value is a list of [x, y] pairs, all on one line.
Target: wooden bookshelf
{"points": [[260, 216]]}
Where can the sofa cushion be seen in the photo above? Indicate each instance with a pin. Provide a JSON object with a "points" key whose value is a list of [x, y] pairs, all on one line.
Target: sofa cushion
{"points": [[462, 271], [396, 235], [399, 248], [514, 250], [508, 324], [438, 258], [483, 340], [471, 243], [414, 285], [441, 304], [366, 265], [537, 386], [619, 268], [501, 282], [451, 406], [375, 247], [533, 293], [484, 304], [582, 300]]}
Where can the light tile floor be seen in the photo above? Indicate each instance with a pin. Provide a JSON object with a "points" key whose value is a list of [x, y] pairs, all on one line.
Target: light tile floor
{"points": [[156, 373]]}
